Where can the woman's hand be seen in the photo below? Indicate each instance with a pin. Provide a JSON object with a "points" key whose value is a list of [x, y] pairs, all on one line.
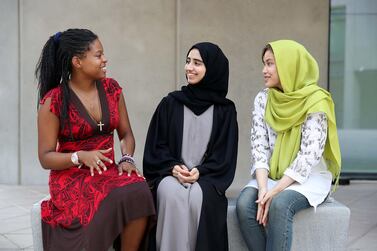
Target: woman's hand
{"points": [[94, 160], [183, 175], [262, 176], [128, 168], [261, 194], [192, 177], [265, 202], [283, 183], [180, 169]]}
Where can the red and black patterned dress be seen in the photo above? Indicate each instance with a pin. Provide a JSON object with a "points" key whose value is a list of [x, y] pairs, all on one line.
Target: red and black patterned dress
{"points": [[89, 212]]}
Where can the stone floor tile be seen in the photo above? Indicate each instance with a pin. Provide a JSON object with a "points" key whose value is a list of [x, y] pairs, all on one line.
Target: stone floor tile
{"points": [[28, 249], [6, 244], [14, 224], [4, 203], [22, 240], [12, 211], [366, 243], [26, 230]]}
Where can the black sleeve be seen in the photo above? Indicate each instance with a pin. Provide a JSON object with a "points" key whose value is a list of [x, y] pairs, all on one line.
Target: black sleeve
{"points": [[158, 158]]}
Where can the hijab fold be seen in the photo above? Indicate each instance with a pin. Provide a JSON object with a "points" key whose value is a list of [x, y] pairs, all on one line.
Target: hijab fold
{"points": [[213, 88], [287, 110]]}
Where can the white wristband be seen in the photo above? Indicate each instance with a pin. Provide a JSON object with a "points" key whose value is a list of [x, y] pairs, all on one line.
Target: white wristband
{"points": [[75, 159]]}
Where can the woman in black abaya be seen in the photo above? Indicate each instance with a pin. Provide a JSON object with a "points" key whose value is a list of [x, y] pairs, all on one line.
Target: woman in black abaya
{"points": [[190, 155]]}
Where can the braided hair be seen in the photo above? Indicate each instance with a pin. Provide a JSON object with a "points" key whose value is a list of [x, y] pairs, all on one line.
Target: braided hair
{"points": [[54, 66]]}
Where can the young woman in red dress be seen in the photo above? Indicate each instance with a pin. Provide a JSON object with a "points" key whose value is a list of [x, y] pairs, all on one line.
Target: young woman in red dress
{"points": [[93, 199]]}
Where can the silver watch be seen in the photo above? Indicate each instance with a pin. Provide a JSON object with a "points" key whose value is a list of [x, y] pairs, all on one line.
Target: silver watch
{"points": [[75, 159]]}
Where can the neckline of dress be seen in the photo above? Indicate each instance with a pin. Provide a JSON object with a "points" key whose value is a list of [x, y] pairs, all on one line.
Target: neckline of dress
{"points": [[103, 108]]}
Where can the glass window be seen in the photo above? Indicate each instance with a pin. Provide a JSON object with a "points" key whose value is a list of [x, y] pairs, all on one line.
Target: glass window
{"points": [[353, 81]]}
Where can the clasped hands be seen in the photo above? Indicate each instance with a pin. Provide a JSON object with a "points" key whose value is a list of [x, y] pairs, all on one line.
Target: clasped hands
{"points": [[184, 175], [264, 202], [95, 161]]}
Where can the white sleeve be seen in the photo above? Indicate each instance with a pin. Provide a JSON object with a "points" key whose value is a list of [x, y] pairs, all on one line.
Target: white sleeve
{"points": [[260, 148], [313, 140]]}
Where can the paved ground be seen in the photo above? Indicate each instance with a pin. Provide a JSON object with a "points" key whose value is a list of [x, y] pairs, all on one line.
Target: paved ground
{"points": [[361, 198], [15, 205], [16, 202]]}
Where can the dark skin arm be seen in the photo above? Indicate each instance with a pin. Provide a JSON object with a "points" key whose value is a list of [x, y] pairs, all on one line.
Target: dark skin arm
{"points": [[48, 128], [126, 138]]}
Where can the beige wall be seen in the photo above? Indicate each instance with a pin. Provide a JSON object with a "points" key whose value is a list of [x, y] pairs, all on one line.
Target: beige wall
{"points": [[146, 43]]}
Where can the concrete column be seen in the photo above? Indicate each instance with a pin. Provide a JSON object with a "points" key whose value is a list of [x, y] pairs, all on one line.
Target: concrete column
{"points": [[9, 92]]}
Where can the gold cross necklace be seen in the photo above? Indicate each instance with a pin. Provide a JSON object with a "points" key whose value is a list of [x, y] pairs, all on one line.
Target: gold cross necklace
{"points": [[91, 105]]}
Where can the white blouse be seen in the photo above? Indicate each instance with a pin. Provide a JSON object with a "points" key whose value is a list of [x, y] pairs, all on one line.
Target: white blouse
{"points": [[308, 169]]}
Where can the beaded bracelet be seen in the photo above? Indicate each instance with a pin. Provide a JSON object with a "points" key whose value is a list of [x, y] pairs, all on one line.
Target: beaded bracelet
{"points": [[127, 158]]}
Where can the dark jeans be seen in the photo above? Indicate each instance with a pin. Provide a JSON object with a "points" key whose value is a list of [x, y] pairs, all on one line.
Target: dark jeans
{"points": [[278, 234]]}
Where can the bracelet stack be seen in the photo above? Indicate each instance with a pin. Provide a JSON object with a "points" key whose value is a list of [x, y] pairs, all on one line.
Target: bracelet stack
{"points": [[127, 158]]}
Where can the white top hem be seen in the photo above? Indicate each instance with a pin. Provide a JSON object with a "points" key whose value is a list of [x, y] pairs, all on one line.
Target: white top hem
{"points": [[316, 188]]}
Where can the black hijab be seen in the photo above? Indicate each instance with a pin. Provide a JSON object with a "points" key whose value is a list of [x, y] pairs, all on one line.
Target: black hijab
{"points": [[213, 88]]}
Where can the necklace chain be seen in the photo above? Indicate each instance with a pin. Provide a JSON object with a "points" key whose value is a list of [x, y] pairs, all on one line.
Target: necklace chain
{"points": [[82, 98]]}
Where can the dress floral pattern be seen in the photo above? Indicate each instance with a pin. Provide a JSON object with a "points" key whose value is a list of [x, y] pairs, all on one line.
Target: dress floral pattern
{"points": [[75, 194]]}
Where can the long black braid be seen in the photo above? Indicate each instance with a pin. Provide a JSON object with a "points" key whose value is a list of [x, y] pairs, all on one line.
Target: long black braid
{"points": [[54, 66]]}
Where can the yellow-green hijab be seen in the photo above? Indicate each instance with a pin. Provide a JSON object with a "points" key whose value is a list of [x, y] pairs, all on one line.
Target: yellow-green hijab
{"points": [[287, 110]]}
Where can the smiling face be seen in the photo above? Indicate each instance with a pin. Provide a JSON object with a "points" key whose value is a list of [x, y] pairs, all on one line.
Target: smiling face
{"points": [[93, 63], [270, 72], [194, 67]]}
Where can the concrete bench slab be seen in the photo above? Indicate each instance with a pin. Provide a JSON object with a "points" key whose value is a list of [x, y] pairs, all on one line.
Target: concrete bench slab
{"points": [[325, 230]]}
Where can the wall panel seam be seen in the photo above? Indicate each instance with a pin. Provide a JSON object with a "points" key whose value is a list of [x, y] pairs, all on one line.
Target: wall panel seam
{"points": [[177, 43], [19, 165]]}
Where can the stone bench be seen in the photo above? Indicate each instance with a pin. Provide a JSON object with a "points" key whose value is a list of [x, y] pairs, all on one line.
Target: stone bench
{"points": [[325, 230], [36, 225]]}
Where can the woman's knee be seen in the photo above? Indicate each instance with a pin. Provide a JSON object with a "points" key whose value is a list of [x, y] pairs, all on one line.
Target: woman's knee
{"points": [[168, 189], [286, 201], [246, 202]]}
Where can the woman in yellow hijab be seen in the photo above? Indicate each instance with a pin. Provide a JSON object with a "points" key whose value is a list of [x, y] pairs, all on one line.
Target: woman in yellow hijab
{"points": [[294, 147]]}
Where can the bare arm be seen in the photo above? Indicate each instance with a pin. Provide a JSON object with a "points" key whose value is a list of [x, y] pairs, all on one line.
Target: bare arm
{"points": [[48, 128], [261, 176], [126, 137]]}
